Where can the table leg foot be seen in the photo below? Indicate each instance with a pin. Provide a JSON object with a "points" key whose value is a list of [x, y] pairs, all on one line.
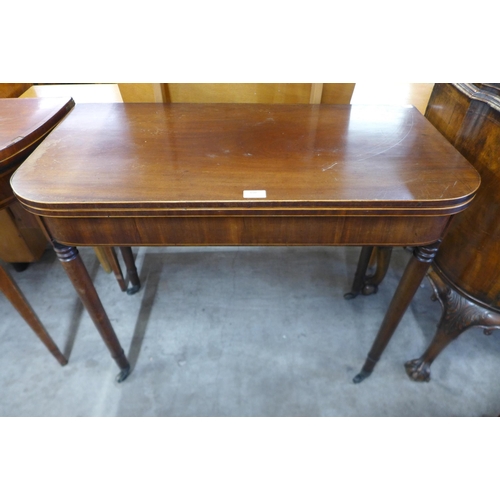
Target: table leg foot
{"points": [[133, 289], [418, 370], [361, 376], [367, 284], [128, 258], [19, 267], [123, 375], [459, 314]]}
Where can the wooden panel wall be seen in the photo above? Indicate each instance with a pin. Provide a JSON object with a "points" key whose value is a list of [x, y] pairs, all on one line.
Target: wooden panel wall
{"points": [[8, 90], [269, 93]]}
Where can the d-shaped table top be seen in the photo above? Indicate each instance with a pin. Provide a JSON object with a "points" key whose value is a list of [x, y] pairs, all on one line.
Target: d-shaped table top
{"points": [[23, 124], [191, 159]]}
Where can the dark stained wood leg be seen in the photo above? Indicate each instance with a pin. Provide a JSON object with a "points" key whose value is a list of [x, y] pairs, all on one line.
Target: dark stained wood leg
{"points": [[19, 267], [459, 314], [359, 276], [112, 260], [77, 273], [17, 299], [383, 258], [412, 277], [128, 258], [368, 284]]}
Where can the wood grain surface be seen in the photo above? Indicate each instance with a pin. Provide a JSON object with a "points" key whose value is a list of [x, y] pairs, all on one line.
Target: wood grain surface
{"points": [[105, 159]]}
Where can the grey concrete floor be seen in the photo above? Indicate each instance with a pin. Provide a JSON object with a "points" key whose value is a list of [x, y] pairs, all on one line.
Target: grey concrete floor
{"points": [[240, 331]]}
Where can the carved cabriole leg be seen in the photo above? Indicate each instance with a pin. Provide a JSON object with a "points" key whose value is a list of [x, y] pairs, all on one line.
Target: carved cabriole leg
{"points": [[412, 277], [128, 258], [77, 273], [368, 284], [17, 299], [459, 314]]}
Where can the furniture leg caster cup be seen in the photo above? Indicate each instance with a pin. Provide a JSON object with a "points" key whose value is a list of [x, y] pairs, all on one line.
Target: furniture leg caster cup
{"points": [[123, 374], [361, 376], [133, 289]]}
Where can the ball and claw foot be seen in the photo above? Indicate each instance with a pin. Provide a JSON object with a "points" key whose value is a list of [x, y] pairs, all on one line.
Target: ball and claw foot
{"points": [[123, 375], [418, 370], [361, 376], [133, 289]]}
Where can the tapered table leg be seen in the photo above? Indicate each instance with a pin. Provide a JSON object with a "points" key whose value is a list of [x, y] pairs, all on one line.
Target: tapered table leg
{"points": [[128, 258], [412, 277], [17, 299], [77, 273]]}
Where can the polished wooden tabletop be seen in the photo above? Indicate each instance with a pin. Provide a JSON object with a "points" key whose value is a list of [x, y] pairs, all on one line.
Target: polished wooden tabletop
{"points": [[201, 159], [23, 124], [23, 121]]}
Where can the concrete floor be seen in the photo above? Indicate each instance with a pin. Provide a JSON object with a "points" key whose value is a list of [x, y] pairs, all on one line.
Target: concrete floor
{"points": [[236, 332]]}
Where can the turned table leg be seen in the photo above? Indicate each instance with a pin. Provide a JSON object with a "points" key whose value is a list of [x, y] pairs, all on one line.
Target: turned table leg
{"points": [[412, 277], [458, 315], [77, 273], [17, 299]]}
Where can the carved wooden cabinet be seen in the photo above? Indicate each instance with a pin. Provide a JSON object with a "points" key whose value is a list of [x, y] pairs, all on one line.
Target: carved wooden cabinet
{"points": [[466, 271]]}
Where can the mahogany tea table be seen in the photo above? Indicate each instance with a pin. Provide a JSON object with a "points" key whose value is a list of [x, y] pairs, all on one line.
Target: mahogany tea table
{"points": [[245, 174]]}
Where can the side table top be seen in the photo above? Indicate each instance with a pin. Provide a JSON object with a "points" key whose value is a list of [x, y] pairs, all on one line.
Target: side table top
{"points": [[24, 121], [188, 159]]}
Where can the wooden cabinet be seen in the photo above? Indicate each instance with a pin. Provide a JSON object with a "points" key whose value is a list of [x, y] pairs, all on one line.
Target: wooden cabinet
{"points": [[466, 271]]}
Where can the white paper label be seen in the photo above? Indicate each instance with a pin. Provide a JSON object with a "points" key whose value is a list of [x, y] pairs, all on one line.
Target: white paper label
{"points": [[256, 193]]}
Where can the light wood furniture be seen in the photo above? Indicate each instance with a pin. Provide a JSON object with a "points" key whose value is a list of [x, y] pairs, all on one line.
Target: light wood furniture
{"points": [[9, 90], [80, 93], [248, 93], [245, 174]]}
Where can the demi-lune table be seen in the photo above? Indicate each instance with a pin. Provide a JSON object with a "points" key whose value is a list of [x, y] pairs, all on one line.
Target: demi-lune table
{"points": [[245, 174]]}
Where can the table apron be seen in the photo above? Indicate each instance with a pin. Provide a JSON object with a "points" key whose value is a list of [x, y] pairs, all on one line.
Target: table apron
{"points": [[247, 230]]}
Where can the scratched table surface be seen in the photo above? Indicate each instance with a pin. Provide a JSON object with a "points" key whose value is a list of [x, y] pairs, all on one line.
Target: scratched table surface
{"points": [[186, 156]]}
